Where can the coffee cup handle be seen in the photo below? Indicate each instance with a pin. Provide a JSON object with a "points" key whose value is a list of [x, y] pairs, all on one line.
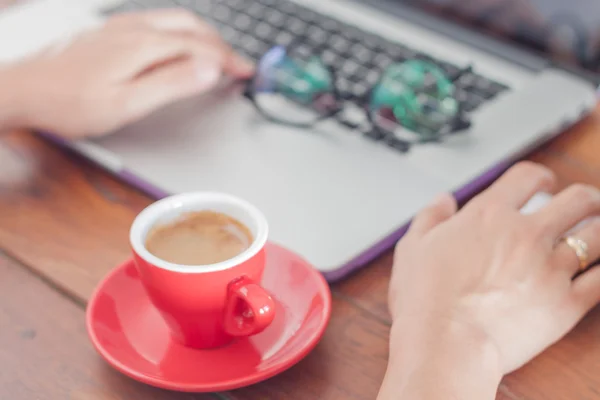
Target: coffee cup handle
{"points": [[250, 308]]}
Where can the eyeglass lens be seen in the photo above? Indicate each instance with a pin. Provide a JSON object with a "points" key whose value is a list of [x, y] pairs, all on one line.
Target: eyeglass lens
{"points": [[412, 100]]}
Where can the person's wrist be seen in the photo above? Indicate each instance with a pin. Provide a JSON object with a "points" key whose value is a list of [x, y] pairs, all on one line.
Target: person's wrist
{"points": [[438, 360]]}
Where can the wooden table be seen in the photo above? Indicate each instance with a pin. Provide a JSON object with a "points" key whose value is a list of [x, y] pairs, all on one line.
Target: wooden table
{"points": [[64, 225]]}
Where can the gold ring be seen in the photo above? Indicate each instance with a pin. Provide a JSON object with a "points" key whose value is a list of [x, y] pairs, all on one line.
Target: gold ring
{"points": [[581, 250]]}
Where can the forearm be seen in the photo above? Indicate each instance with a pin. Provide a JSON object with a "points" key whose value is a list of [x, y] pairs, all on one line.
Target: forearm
{"points": [[440, 364]]}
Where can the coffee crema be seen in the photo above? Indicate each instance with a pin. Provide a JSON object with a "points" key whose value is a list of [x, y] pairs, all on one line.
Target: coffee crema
{"points": [[199, 238]]}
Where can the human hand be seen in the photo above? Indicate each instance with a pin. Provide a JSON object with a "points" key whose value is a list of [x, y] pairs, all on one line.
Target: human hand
{"points": [[503, 279], [132, 65]]}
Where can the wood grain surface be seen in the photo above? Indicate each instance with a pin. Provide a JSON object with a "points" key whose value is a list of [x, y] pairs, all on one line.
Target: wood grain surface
{"points": [[64, 225], [44, 350]]}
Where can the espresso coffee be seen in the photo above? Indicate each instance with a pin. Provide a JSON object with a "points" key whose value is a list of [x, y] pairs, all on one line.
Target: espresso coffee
{"points": [[199, 238]]}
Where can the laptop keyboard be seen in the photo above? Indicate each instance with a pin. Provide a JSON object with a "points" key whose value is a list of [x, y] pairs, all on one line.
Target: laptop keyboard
{"points": [[357, 57]]}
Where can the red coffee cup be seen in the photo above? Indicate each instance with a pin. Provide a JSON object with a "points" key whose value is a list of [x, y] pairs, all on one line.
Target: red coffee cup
{"points": [[206, 306]]}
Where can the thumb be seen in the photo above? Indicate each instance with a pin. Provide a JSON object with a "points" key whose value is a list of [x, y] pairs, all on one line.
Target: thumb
{"points": [[442, 208], [168, 83]]}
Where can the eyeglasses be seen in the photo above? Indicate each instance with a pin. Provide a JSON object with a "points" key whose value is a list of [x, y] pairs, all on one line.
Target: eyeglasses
{"points": [[411, 103]]}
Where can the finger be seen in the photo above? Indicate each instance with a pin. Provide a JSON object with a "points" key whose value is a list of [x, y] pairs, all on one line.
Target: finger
{"points": [[182, 21], [566, 257], [568, 208], [586, 290], [144, 50], [185, 26], [237, 65], [233, 63], [517, 185], [167, 84], [441, 209]]}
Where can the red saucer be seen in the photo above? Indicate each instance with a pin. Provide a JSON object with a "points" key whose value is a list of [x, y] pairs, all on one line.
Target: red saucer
{"points": [[130, 334]]}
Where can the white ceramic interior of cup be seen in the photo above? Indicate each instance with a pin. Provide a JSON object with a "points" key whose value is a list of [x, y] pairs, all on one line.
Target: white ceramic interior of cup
{"points": [[174, 207]]}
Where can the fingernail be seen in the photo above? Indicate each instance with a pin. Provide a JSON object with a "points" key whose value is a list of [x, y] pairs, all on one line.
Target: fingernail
{"points": [[440, 198], [443, 198], [208, 75], [244, 64]]}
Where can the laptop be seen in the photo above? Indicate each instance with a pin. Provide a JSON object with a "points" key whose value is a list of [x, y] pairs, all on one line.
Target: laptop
{"points": [[522, 71]]}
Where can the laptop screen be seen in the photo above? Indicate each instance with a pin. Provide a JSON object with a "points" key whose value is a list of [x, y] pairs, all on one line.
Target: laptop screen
{"points": [[565, 30]]}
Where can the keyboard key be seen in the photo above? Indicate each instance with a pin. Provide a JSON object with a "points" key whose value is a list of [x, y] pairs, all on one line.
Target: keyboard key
{"points": [[472, 102], [256, 10], [250, 45], [263, 30], [399, 53], [284, 38], [237, 5], [479, 85], [329, 57], [221, 13], [372, 78], [460, 95], [302, 52], [362, 54], [287, 7], [467, 80], [344, 87], [275, 18], [339, 44], [349, 68], [372, 42], [486, 88], [451, 70], [460, 124], [382, 61], [306, 14], [396, 143], [352, 33], [317, 35], [242, 22], [229, 34], [330, 25], [359, 90], [297, 26], [374, 134], [496, 87]]}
